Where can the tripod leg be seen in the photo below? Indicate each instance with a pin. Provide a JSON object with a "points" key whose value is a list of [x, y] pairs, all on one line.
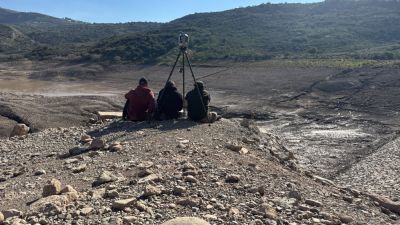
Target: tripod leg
{"points": [[183, 80], [195, 83], [173, 68]]}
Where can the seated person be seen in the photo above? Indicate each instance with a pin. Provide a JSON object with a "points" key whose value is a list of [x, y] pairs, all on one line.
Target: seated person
{"points": [[197, 105], [140, 102], [169, 102]]}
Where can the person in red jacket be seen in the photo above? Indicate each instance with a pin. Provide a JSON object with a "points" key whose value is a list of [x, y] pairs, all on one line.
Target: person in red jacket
{"points": [[140, 102]]}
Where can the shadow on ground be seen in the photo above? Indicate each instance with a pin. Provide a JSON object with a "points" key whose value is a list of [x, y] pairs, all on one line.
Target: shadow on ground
{"points": [[129, 127]]}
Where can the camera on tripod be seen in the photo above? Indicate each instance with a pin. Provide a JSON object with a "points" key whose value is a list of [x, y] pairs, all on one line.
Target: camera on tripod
{"points": [[183, 41]]}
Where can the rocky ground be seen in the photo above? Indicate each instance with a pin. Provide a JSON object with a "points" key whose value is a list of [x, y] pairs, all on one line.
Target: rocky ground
{"points": [[383, 171], [230, 172], [339, 123]]}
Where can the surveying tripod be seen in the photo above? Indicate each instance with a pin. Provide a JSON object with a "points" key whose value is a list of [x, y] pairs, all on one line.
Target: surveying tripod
{"points": [[183, 47]]}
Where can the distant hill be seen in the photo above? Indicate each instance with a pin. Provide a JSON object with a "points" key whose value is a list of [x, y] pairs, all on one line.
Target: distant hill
{"points": [[13, 17], [360, 29], [330, 29], [12, 39], [59, 35]]}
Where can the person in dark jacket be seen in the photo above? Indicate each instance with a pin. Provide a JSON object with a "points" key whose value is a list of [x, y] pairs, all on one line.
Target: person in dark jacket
{"points": [[140, 102], [169, 102], [197, 104]]}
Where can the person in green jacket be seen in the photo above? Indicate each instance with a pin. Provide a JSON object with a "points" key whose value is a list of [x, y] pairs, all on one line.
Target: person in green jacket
{"points": [[197, 104]]}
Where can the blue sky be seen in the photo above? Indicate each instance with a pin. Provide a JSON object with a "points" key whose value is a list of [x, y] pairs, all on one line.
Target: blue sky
{"points": [[112, 11]]}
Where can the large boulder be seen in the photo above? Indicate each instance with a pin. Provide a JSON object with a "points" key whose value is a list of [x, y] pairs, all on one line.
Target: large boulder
{"points": [[50, 203], [20, 130], [1, 217], [186, 221]]}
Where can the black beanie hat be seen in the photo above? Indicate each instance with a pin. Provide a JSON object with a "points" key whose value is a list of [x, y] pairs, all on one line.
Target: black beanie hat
{"points": [[142, 81]]}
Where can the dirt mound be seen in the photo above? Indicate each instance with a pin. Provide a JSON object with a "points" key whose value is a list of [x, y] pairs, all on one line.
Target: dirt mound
{"points": [[165, 170], [40, 112]]}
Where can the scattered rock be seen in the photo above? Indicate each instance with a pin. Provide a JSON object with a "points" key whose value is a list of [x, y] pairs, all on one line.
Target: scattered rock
{"points": [[248, 141], [243, 151], [19, 172], [87, 211], [20, 130], [115, 221], [345, 219], [12, 213], [188, 166], [70, 161], [304, 208], [348, 199], [98, 194], [190, 173], [232, 178], [323, 180], [122, 204], [234, 212], [178, 190], [112, 194], [284, 202], [72, 196], [115, 147], [130, 219], [295, 195], [234, 147], [258, 222], [144, 173], [86, 138], [150, 191], [79, 169], [268, 211], [77, 151], [180, 145], [145, 165], [40, 172], [210, 217], [189, 202], [1, 217], [190, 179], [316, 220], [97, 143], [143, 208], [385, 202], [150, 178], [68, 189], [186, 221], [105, 177], [315, 203], [53, 187]]}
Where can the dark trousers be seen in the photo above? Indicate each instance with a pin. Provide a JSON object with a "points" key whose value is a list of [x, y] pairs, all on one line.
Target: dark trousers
{"points": [[125, 112]]}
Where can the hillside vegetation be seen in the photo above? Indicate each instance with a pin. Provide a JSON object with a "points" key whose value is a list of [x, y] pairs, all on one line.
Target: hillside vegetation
{"points": [[367, 29]]}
